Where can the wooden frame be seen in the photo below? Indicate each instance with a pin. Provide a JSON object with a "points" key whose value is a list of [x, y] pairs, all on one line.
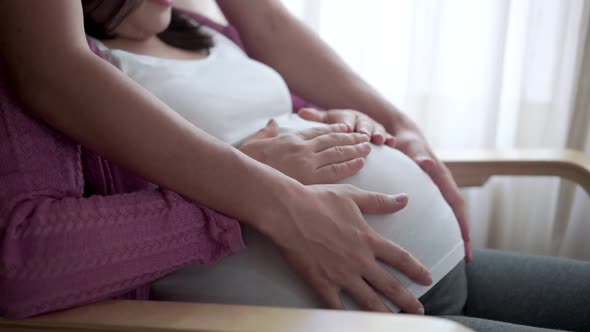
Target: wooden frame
{"points": [[474, 168], [132, 316], [469, 169]]}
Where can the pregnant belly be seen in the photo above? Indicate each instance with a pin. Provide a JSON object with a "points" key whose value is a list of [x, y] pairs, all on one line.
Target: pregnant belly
{"points": [[426, 227]]}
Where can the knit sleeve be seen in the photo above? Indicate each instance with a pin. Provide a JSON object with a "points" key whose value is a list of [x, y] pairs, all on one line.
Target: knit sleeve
{"points": [[59, 249]]}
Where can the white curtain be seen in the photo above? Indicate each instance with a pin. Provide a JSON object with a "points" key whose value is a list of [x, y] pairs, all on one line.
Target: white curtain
{"points": [[494, 74]]}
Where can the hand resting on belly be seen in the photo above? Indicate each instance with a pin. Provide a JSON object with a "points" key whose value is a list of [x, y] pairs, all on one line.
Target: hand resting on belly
{"points": [[426, 228]]}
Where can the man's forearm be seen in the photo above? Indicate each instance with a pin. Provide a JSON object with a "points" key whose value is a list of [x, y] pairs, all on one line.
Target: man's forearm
{"points": [[310, 67], [118, 119]]}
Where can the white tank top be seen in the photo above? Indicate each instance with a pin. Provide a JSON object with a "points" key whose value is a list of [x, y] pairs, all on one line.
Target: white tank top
{"points": [[231, 96], [225, 94]]}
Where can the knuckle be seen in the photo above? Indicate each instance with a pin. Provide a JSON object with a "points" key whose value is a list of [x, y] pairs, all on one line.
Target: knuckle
{"points": [[362, 148], [323, 283], [351, 168], [308, 163], [339, 151], [288, 138], [366, 237], [407, 302], [405, 259], [316, 131], [358, 258], [334, 170], [296, 147], [326, 276], [337, 138], [339, 276], [349, 188], [380, 200], [374, 239], [373, 302], [359, 138], [332, 301], [393, 288]]}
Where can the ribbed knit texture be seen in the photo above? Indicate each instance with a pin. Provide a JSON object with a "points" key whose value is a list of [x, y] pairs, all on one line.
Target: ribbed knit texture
{"points": [[60, 249]]}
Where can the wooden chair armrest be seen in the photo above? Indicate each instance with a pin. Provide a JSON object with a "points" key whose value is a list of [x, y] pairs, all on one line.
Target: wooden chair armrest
{"points": [[474, 168], [129, 316]]}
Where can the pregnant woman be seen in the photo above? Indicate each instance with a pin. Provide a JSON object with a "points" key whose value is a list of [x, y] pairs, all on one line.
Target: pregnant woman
{"points": [[207, 79], [231, 97]]}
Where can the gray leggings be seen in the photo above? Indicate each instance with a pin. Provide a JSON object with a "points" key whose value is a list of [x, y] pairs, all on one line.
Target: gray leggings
{"points": [[502, 291]]}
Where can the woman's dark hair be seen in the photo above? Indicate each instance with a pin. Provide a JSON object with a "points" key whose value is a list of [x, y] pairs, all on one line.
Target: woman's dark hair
{"points": [[102, 17], [183, 32]]}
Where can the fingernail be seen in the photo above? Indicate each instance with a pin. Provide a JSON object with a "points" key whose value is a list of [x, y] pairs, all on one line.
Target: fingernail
{"points": [[421, 158], [363, 137], [360, 162], [424, 161], [391, 143], [378, 138], [401, 198], [421, 310]]}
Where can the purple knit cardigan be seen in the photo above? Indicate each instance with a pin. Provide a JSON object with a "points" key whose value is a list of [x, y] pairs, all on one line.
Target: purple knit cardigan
{"points": [[59, 249]]}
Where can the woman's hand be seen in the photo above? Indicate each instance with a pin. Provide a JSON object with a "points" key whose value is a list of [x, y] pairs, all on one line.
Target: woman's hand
{"points": [[355, 120], [409, 140], [325, 239], [324, 154]]}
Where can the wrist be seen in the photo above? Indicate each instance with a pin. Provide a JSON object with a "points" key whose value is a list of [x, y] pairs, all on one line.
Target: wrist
{"points": [[385, 113], [271, 217], [394, 119]]}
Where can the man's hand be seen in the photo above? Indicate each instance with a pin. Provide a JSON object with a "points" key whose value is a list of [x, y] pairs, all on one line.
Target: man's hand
{"points": [[411, 142], [327, 242], [355, 120]]}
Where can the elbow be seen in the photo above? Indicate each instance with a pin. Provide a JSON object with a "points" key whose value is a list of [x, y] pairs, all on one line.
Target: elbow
{"points": [[41, 84]]}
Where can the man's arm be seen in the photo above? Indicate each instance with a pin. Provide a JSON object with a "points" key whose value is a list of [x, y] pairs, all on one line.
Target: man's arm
{"points": [[316, 73], [311, 68], [317, 228]]}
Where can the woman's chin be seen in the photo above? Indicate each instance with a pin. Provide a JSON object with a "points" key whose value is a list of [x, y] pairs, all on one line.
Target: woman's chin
{"points": [[164, 3]]}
